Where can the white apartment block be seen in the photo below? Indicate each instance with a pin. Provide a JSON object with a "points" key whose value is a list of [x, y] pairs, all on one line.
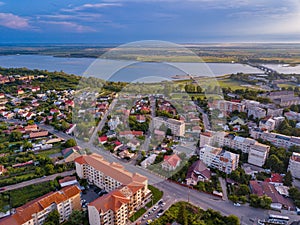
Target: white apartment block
{"points": [[219, 159], [177, 126], [294, 165], [227, 106], [221, 139], [257, 112], [278, 140], [127, 191], [35, 212], [258, 154], [267, 124]]}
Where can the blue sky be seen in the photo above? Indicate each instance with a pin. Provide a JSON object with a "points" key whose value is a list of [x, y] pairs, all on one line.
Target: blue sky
{"points": [[121, 21]]}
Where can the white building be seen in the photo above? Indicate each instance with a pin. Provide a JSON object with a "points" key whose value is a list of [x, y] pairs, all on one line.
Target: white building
{"points": [[267, 124], [294, 165], [219, 159], [257, 112], [35, 212], [177, 126], [127, 191], [258, 154]]}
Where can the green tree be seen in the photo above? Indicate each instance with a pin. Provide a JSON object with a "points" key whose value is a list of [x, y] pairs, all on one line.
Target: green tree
{"points": [[232, 220], [70, 143], [77, 217], [49, 168], [288, 179], [53, 218], [15, 136]]}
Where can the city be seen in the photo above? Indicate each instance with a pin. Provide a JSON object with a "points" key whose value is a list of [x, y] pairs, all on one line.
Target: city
{"points": [[122, 112]]}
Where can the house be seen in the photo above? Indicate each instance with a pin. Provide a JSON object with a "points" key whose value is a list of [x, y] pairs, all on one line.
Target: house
{"points": [[130, 134], [2, 170], [236, 120], [197, 172], [140, 118], [171, 162], [38, 134], [118, 145], [148, 161], [133, 144], [264, 188], [33, 127], [196, 129], [70, 154], [275, 179], [20, 91], [126, 154], [102, 139], [68, 181]]}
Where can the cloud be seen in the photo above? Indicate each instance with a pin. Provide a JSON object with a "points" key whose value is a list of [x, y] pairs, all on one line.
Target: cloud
{"points": [[92, 6], [2, 3], [69, 26], [12, 21]]}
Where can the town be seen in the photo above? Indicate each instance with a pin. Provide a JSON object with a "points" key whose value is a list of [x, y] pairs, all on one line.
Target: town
{"points": [[114, 156]]}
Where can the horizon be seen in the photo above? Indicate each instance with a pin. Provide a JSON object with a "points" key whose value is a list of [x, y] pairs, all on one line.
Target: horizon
{"points": [[123, 21]]}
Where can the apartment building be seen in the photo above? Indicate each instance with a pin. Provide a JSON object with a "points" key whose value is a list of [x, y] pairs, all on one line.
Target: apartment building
{"points": [[257, 112], [278, 140], [258, 154], [221, 139], [127, 191], [227, 106], [294, 165], [283, 98], [35, 212], [217, 158], [177, 126]]}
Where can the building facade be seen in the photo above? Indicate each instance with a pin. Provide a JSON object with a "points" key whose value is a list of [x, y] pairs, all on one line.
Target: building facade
{"points": [[258, 154], [35, 212], [217, 158], [294, 165], [177, 126], [127, 191]]}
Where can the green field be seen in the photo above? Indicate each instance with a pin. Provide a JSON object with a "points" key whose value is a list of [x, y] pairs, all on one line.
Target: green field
{"points": [[23, 195]]}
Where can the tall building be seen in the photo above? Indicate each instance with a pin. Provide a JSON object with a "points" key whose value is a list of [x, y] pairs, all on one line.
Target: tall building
{"points": [[127, 191], [294, 165], [217, 158], [35, 212], [177, 126], [258, 154], [227, 106]]}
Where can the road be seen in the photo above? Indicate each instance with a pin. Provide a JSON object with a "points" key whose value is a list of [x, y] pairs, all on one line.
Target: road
{"points": [[174, 192], [102, 121], [224, 188], [205, 119], [38, 180]]}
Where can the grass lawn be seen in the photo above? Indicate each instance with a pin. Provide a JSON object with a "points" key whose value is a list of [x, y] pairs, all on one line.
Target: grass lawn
{"points": [[23, 195], [156, 196], [16, 179], [46, 153], [289, 84], [234, 85]]}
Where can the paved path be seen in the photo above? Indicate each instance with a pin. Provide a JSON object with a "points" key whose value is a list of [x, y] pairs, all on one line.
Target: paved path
{"points": [[224, 188], [38, 180]]}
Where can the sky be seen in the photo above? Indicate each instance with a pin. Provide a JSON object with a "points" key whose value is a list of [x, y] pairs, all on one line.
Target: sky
{"points": [[122, 21]]}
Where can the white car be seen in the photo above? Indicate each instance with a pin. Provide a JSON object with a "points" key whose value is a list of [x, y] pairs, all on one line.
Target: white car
{"points": [[236, 204]]}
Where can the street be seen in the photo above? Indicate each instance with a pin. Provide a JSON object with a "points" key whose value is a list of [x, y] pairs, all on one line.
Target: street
{"points": [[38, 180]]}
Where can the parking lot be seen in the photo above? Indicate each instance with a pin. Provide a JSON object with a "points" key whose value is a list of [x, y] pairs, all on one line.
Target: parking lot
{"points": [[90, 194]]}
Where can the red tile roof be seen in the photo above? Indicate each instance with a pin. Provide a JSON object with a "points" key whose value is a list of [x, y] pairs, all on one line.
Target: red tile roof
{"points": [[24, 213], [172, 160]]}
